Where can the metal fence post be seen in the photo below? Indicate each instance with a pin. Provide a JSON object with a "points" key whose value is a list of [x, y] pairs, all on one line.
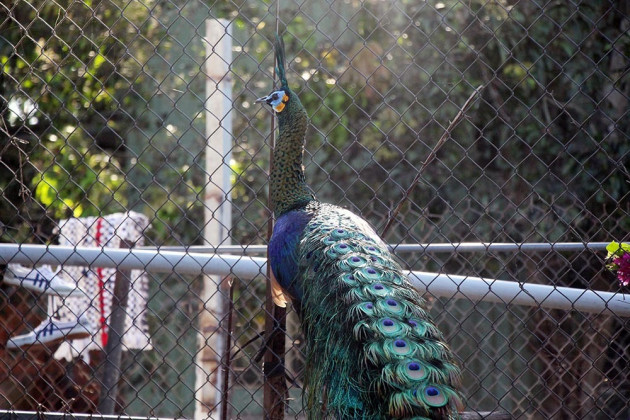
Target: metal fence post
{"points": [[217, 208]]}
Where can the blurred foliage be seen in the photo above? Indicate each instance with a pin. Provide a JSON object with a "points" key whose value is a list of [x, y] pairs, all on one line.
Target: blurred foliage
{"points": [[73, 89], [65, 88]]}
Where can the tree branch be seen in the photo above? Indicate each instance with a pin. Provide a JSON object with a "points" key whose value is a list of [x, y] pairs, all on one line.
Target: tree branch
{"points": [[447, 134]]}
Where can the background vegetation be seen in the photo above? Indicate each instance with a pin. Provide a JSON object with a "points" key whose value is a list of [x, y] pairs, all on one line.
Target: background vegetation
{"points": [[101, 110]]}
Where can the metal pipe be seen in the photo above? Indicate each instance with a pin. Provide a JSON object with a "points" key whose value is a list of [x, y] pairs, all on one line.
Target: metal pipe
{"points": [[135, 259], [443, 285], [427, 248], [517, 293]]}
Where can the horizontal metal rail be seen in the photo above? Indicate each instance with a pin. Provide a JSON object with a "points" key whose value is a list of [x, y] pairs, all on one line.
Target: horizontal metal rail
{"points": [[442, 285], [426, 248], [45, 415]]}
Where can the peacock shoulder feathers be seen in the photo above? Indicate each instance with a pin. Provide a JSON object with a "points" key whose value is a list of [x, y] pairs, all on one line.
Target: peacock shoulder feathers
{"points": [[372, 351]]}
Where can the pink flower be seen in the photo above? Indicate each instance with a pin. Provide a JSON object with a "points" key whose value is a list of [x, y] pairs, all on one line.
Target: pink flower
{"points": [[623, 268]]}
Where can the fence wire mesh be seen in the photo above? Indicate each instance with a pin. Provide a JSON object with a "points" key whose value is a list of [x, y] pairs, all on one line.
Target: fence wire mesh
{"points": [[108, 111]]}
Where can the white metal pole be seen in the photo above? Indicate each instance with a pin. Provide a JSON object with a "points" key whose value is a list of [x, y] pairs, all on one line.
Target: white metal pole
{"points": [[479, 289], [218, 215], [435, 248]]}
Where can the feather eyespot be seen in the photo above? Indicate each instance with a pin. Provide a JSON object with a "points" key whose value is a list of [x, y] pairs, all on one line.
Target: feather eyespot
{"points": [[329, 240], [354, 262], [389, 328], [340, 233], [391, 306], [400, 347], [419, 327], [416, 371], [433, 397], [370, 273], [365, 308], [378, 290], [349, 280], [342, 248]]}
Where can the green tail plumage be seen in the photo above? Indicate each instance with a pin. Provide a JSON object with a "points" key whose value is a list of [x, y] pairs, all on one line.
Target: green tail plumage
{"points": [[372, 352]]}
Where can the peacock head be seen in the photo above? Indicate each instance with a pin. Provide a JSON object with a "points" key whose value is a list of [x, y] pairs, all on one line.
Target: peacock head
{"points": [[277, 100]]}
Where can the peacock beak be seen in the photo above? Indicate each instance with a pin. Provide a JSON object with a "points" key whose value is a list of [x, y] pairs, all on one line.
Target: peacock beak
{"points": [[263, 99]]}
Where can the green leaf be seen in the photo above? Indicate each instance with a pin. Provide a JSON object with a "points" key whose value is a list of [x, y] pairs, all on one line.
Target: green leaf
{"points": [[45, 193], [98, 61], [616, 249]]}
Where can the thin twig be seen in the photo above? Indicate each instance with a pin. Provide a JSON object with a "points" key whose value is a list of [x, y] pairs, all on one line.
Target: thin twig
{"points": [[447, 134], [15, 141], [268, 335], [247, 343]]}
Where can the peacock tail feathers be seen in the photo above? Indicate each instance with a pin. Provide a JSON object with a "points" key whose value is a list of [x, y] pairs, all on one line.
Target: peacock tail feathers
{"points": [[372, 350]]}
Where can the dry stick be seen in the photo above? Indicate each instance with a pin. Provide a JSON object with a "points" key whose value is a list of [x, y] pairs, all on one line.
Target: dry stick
{"points": [[110, 370], [24, 191], [447, 133], [247, 343], [227, 354], [275, 395], [275, 386]]}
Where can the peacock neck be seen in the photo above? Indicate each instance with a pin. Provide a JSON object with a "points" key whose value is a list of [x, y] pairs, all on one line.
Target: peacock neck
{"points": [[288, 184]]}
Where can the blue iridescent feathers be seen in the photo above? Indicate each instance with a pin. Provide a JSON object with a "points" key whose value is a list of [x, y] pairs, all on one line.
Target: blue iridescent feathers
{"points": [[283, 250]]}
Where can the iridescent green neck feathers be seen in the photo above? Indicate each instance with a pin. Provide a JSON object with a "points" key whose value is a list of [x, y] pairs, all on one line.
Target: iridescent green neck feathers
{"points": [[288, 184]]}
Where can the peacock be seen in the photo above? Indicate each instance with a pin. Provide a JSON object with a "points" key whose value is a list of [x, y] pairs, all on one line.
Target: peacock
{"points": [[372, 351]]}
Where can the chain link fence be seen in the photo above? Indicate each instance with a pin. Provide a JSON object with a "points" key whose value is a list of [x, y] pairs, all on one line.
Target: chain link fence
{"points": [[133, 124]]}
